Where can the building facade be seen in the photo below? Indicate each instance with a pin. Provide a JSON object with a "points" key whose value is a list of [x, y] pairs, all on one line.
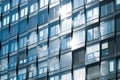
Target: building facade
{"points": [[59, 39]]}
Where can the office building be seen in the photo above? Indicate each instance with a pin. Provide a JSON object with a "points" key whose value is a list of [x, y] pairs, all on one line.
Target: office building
{"points": [[59, 39]]}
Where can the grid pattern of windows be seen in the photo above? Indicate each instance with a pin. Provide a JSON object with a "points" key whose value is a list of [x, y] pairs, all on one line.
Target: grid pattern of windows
{"points": [[59, 39]]}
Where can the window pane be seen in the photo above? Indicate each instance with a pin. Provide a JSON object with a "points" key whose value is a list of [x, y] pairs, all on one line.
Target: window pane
{"points": [[92, 34], [93, 72], [107, 27], [53, 1], [78, 38], [66, 8], [111, 65], [4, 49], [118, 65], [54, 46], [42, 66], [43, 34], [54, 29], [78, 57], [6, 7], [66, 25], [43, 3], [96, 33], [24, 12], [33, 21], [33, 7], [107, 9], [92, 13], [66, 43], [5, 33], [66, 60], [13, 45], [88, 1], [22, 42], [13, 30], [32, 70], [43, 17], [117, 23], [105, 49], [42, 50], [110, 7], [14, 3], [32, 38], [22, 26], [4, 77], [53, 63], [103, 10], [13, 61], [117, 2], [3, 64], [92, 53], [22, 74], [54, 12], [22, 58], [104, 68], [32, 54], [77, 3], [66, 76], [79, 74], [55, 78], [78, 18]]}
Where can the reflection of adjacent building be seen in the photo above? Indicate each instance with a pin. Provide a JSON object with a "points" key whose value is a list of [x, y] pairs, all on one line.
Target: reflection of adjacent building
{"points": [[59, 39]]}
